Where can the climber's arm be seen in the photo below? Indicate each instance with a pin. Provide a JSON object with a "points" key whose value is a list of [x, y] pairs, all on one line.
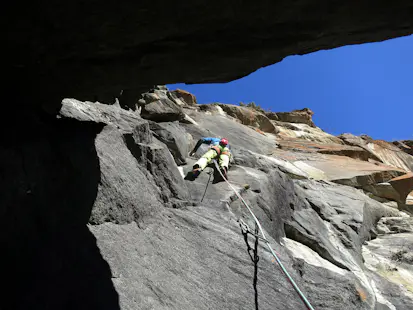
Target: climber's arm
{"points": [[198, 144]]}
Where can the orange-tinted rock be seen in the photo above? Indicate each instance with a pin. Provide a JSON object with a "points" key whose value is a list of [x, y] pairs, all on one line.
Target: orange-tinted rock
{"points": [[403, 185], [187, 97], [387, 152], [340, 169], [301, 145], [303, 116], [368, 179], [249, 117], [299, 132]]}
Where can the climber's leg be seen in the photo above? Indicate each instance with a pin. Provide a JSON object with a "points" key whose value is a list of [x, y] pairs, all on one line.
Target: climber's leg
{"points": [[204, 161], [223, 163]]}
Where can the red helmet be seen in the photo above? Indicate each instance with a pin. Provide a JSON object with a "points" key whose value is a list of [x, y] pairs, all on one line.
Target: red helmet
{"points": [[223, 142]]}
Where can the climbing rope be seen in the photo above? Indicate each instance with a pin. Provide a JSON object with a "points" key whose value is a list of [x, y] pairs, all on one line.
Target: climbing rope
{"points": [[254, 257], [206, 187], [295, 286]]}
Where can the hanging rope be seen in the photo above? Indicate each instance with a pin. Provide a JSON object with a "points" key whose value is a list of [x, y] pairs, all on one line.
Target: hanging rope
{"points": [[254, 258], [295, 286], [206, 187]]}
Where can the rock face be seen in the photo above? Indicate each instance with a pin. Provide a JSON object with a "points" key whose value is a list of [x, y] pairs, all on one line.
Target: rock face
{"points": [[390, 257], [406, 146], [127, 231], [74, 188], [175, 137], [385, 151]]}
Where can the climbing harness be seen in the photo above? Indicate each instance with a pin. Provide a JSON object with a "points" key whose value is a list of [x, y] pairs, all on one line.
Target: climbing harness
{"points": [[295, 286]]}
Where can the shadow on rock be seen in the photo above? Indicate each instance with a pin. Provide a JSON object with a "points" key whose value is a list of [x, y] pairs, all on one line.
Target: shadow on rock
{"points": [[217, 177], [49, 179]]}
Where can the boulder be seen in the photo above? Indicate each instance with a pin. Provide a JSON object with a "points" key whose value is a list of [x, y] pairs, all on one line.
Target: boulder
{"points": [[160, 105], [186, 98], [249, 117], [164, 110], [303, 116]]}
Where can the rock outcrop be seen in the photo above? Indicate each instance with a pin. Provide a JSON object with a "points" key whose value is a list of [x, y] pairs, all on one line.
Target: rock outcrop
{"points": [[186, 97], [305, 132], [303, 116], [406, 146], [387, 152], [249, 117], [403, 185], [159, 105]]}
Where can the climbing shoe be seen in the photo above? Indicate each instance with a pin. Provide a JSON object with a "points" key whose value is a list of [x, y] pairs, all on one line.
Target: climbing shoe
{"points": [[196, 172], [224, 172]]}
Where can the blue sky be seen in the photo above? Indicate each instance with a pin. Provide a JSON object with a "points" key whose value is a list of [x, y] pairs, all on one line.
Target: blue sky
{"points": [[361, 89]]}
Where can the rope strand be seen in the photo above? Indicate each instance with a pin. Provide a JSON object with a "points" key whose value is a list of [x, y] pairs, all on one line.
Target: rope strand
{"points": [[291, 280]]}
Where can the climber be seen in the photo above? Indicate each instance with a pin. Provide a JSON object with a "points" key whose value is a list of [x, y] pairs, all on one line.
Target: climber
{"points": [[219, 149]]}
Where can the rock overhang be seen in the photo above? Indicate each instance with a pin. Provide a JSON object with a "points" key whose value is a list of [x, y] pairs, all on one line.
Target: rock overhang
{"points": [[99, 51]]}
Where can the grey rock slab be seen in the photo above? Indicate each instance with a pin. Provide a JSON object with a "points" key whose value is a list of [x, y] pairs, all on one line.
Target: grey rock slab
{"points": [[389, 258], [99, 113], [238, 135], [189, 259], [126, 192], [344, 218], [328, 285], [158, 161], [175, 138], [395, 225]]}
